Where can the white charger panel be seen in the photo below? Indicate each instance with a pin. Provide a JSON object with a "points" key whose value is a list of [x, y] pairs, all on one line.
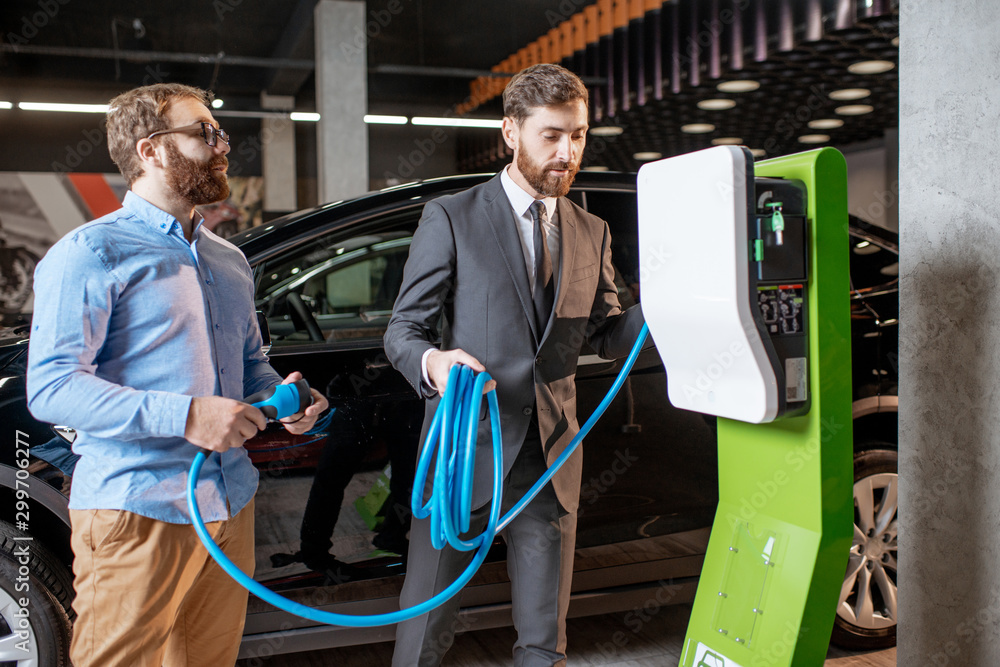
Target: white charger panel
{"points": [[694, 260]]}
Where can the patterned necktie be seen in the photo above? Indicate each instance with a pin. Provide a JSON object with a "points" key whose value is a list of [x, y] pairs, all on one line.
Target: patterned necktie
{"points": [[544, 292]]}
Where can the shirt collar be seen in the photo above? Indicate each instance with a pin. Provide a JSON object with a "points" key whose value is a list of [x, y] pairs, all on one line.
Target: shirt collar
{"points": [[156, 217], [520, 200]]}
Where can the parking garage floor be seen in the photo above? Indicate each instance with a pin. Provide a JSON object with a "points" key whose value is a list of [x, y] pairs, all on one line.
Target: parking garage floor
{"points": [[595, 640]]}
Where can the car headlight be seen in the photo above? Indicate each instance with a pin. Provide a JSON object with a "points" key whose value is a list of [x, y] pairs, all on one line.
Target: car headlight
{"points": [[66, 433]]}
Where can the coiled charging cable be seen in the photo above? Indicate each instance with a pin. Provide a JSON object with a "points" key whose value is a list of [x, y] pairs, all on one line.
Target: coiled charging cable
{"points": [[454, 427]]}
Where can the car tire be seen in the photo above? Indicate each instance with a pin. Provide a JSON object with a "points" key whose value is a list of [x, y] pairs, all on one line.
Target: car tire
{"points": [[867, 610], [37, 634]]}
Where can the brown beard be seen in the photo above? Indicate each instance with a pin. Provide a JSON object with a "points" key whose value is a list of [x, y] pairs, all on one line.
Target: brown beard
{"points": [[196, 182], [538, 176]]}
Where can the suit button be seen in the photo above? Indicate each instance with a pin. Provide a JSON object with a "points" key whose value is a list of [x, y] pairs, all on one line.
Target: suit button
{"points": [[538, 361], [527, 412]]}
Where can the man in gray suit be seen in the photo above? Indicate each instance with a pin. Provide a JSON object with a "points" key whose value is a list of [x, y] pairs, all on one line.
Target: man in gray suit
{"points": [[513, 277]]}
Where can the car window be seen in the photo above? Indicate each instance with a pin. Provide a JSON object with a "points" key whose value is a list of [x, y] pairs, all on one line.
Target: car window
{"points": [[346, 283], [874, 262], [620, 211]]}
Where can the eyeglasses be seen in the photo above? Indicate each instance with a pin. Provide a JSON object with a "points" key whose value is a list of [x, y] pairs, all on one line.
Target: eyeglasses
{"points": [[209, 133]]}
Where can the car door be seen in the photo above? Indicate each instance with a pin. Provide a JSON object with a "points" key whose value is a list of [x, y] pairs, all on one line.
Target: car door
{"points": [[649, 468], [327, 302]]}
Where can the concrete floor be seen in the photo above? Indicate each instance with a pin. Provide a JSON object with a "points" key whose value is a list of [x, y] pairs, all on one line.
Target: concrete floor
{"points": [[592, 641]]}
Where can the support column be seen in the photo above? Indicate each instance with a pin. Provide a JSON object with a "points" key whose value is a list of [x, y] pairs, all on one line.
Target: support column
{"points": [[949, 418], [278, 157], [341, 99]]}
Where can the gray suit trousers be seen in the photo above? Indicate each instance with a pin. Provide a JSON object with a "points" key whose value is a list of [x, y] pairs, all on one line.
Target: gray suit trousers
{"points": [[540, 546]]}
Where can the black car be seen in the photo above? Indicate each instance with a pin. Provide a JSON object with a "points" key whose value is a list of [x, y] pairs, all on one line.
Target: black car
{"points": [[326, 279]]}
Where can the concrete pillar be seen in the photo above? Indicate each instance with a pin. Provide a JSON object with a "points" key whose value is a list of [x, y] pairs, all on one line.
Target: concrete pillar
{"points": [[278, 142], [341, 99], [949, 418]]}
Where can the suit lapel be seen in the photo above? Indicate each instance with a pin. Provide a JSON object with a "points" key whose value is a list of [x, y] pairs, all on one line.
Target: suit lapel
{"points": [[567, 249], [501, 219]]}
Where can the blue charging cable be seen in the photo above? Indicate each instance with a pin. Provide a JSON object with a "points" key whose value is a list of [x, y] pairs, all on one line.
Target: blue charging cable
{"points": [[454, 427]]}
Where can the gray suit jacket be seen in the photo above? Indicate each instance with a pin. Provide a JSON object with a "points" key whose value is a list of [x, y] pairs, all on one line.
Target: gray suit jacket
{"points": [[466, 264]]}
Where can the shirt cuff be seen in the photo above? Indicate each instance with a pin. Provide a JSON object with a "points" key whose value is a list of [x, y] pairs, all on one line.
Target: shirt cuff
{"points": [[173, 411], [423, 370]]}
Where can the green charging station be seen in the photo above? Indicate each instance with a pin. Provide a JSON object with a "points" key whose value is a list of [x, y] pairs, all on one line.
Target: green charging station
{"points": [[774, 362]]}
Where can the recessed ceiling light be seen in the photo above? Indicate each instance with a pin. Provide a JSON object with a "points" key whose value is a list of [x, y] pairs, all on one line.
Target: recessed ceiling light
{"points": [[758, 152], [720, 104], [895, 41], [727, 141], [596, 167], [845, 94], [6, 105], [697, 128], [854, 109], [814, 138], [866, 248], [738, 86], [309, 116], [826, 124], [606, 131], [217, 103], [646, 156], [890, 270], [870, 67]]}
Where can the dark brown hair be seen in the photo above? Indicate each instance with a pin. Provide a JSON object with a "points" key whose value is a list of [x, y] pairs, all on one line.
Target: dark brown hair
{"points": [[542, 85], [136, 114]]}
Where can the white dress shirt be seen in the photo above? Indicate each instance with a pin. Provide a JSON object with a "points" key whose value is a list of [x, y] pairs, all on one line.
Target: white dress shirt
{"points": [[520, 203]]}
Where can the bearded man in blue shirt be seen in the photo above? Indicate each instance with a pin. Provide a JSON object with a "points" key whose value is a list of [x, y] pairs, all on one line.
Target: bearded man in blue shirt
{"points": [[144, 339]]}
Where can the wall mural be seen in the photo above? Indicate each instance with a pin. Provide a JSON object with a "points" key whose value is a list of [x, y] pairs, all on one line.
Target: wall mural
{"points": [[37, 209]]}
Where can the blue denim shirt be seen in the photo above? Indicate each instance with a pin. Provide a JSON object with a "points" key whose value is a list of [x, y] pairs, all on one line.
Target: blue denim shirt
{"points": [[131, 321]]}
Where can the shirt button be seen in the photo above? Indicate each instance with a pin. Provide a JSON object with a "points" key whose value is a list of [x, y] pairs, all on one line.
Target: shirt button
{"points": [[526, 412], [223, 371], [208, 282], [218, 326]]}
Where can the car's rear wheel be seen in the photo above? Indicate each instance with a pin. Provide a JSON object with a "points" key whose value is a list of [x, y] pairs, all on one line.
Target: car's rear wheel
{"points": [[37, 633], [867, 611]]}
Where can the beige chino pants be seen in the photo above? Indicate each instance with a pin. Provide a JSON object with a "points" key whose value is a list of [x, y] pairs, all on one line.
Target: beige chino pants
{"points": [[148, 594]]}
